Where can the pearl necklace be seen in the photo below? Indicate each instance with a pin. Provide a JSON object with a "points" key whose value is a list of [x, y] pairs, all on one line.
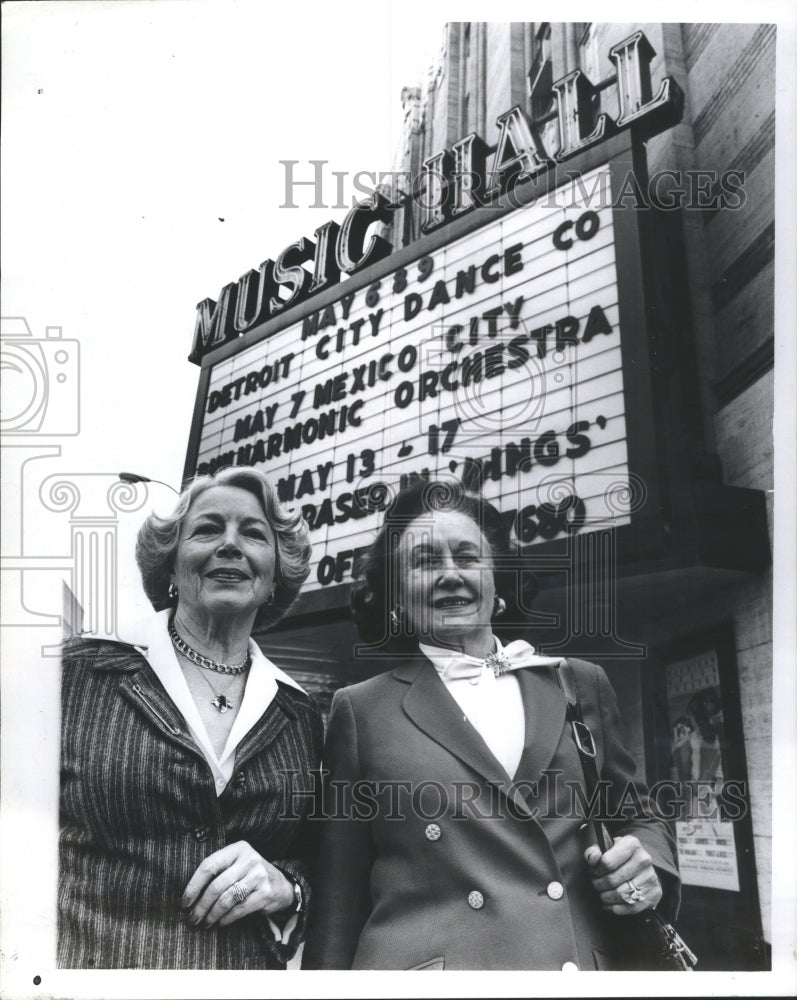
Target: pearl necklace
{"points": [[203, 661]]}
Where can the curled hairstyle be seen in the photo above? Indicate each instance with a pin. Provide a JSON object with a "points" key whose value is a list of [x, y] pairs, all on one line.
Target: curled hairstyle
{"points": [[156, 547], [376, 574]]}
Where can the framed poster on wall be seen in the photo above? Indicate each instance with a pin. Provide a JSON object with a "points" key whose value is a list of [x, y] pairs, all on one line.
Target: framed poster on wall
{"points": [[697, 761], [706, 837]]}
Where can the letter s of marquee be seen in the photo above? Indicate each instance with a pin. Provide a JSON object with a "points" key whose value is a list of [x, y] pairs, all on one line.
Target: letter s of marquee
{"points": [[288, 271], [351, 255]]}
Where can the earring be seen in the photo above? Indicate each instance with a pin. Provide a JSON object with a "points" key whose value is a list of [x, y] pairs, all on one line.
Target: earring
{"points": [[395, 620], [270, 599], [500, 607], [173, 592]]}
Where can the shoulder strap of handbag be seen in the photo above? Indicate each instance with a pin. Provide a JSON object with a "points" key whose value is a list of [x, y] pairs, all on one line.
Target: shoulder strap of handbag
{"points": [[584, 741], [678, 952]]}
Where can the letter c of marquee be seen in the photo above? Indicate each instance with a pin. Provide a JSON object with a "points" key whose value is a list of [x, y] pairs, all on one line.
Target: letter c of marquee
{"points": [[350, 252]]}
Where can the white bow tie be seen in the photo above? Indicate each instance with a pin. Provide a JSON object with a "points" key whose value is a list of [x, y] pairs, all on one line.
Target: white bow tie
{"points": [[514, 656]]}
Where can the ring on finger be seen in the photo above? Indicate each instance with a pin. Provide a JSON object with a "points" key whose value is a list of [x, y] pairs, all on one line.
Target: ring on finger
{"points": [[240, 891], [633, 894]]}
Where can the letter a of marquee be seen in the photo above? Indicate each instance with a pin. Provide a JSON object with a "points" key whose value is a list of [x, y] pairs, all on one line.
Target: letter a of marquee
{"points": [[519, 151]]}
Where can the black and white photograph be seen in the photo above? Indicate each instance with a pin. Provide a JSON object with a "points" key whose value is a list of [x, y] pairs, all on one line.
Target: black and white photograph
{"points": [[398, 499]]}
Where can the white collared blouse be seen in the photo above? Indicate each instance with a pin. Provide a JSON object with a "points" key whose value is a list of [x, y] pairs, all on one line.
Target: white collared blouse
{"points": [[151, 638], [493, 705]]}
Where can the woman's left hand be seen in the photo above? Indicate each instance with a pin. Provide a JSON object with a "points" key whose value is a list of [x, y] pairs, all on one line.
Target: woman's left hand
{"points": [[232, 883], [624, 876]]}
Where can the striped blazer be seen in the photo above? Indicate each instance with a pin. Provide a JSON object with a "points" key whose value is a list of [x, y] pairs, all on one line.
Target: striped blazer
{"points": [[139, 812]]}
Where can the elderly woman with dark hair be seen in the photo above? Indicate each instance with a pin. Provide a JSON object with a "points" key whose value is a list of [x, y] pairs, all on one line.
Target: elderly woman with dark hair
{"points": [[455, 839], [185, 753]]}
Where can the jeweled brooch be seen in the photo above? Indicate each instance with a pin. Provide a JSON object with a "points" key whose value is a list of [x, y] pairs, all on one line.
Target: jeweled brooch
{"points": [[498, 662]]}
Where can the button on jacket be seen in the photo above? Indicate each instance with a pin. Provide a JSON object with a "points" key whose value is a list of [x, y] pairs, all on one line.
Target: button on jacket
{"points": [[505, 886], [140, 812]]}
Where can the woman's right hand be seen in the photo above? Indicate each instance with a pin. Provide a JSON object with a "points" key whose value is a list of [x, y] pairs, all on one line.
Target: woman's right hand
{"points": [[624, 876]]}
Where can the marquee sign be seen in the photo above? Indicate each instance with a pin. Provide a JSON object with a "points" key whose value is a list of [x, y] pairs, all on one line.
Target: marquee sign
{"points": [[495, 361], [496, 357]]}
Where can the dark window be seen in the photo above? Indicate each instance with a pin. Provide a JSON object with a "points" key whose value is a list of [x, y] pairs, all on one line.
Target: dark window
{"points": [[541, 72]]}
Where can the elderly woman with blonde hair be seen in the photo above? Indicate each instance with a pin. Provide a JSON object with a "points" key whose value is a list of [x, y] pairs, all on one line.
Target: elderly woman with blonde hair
{"points": [[183, 841]]}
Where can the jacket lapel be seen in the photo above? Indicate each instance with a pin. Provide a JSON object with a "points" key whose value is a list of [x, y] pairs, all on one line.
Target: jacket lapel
{"points": [[278, 714], [143, 689], [139, 685], [431, 708], [544, 706]]}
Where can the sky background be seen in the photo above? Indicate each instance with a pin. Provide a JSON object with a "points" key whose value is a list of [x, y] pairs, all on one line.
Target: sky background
{"points": [[141, 172]]}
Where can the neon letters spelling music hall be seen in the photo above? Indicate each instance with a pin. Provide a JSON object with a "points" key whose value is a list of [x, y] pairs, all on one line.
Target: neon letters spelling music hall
{"points": [[522, 321]]}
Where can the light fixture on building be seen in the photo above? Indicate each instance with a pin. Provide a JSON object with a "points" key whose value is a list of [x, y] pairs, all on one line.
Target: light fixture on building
{"points": [[133, 477]]}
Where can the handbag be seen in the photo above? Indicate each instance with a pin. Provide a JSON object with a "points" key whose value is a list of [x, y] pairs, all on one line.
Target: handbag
{"points": [[655, 942]]}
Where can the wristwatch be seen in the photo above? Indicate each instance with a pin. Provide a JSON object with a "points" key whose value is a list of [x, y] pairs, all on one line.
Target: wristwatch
{"points": [[298, 897]]}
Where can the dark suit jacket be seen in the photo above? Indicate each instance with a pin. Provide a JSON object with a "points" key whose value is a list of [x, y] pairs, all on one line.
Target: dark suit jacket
{"points": [[411, 874], [139, 812]]}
